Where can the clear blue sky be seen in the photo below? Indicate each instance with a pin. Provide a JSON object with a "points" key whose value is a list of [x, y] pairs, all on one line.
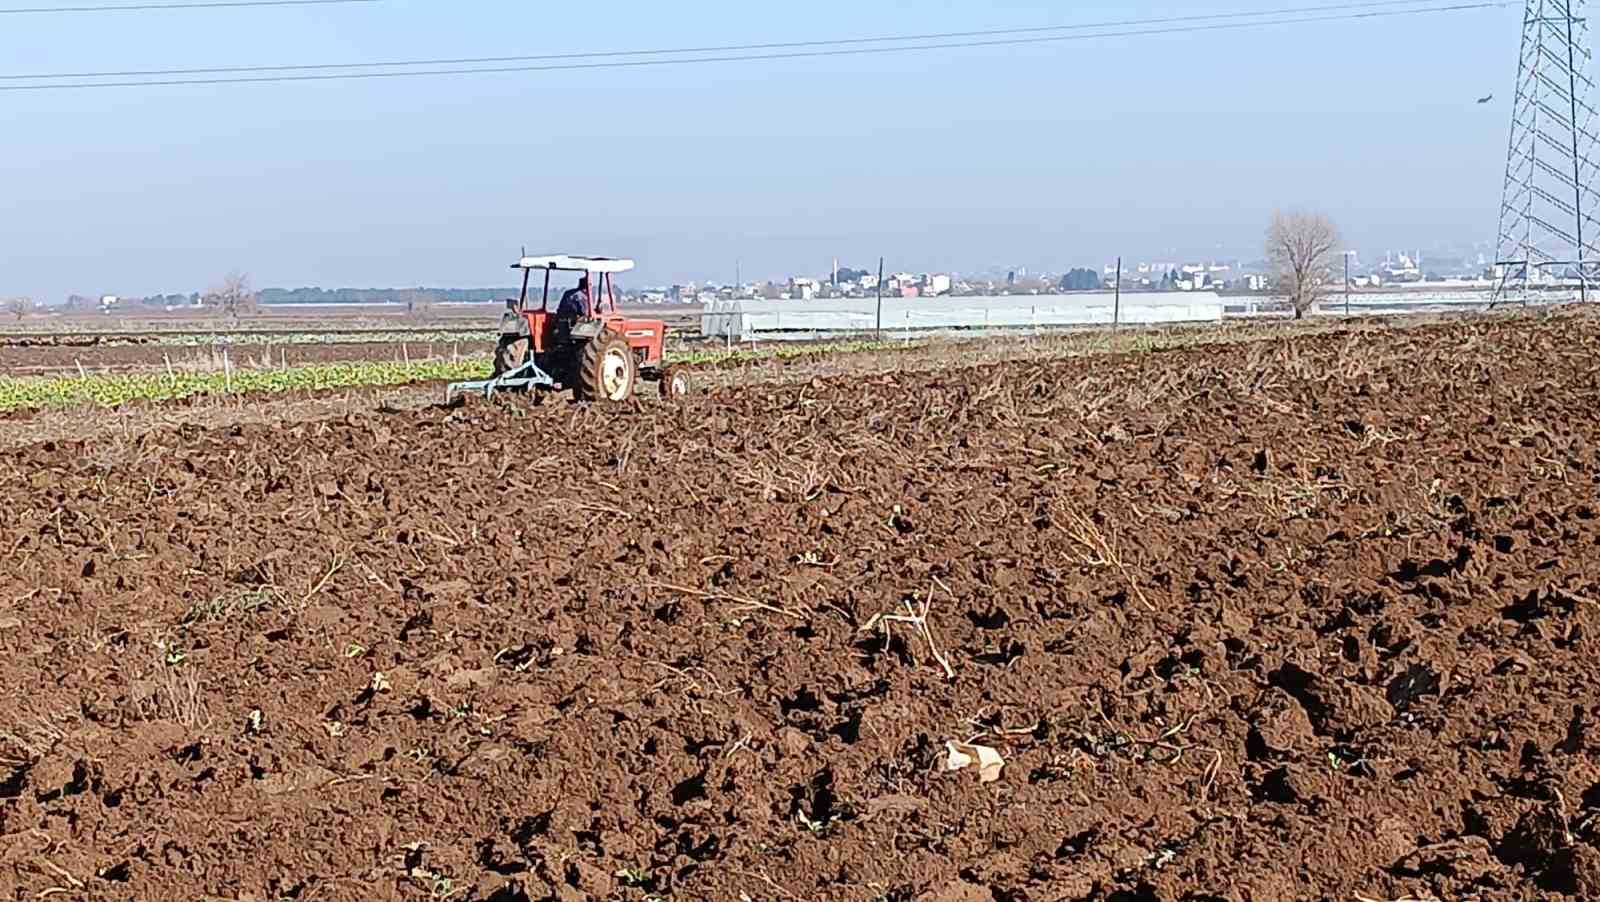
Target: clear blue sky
{"points": [[1049, 156]]}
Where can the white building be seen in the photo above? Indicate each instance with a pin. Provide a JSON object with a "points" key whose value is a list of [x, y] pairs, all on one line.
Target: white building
{"points": [[1405, 269]]}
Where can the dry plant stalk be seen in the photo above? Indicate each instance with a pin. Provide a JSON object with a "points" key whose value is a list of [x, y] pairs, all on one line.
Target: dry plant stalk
{"points": [[335, 564], [724, 596], [1208, 779], [34, 736], [917, 617], [1102, 552], [1295, 499], [180, 697]]}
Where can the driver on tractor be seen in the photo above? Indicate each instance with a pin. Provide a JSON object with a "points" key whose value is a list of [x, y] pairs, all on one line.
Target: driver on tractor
{"points": [[574, 304]]}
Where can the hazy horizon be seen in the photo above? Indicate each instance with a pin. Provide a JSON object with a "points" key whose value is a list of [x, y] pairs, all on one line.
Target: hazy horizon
{"points": [[1045, 156]]}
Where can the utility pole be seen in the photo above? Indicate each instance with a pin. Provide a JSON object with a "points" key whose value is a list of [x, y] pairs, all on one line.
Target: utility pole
{"points": [[880, 299], [1116, 305]]}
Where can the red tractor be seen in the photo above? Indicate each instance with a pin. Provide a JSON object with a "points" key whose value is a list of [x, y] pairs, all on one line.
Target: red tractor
{"points": [[586, 344]]}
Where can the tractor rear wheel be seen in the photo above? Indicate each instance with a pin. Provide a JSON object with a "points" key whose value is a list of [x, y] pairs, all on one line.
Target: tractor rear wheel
{"points": [[607, 370], [674, 383], [511, 353]]}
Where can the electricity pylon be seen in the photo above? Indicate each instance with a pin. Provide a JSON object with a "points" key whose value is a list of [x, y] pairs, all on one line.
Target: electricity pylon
{"points": [[1549, 235]]}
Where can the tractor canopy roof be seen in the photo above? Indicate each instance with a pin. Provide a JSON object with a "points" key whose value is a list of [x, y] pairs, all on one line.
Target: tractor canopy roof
{"points": [[569, 263]]}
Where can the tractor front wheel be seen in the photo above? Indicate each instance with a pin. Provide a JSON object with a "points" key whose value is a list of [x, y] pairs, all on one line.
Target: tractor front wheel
{"points": [[511, 353], [606, 369]]}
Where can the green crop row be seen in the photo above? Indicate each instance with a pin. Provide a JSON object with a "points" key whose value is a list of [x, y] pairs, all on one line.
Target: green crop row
{"points": [[111, 389], [118, 388], [240, 339]]}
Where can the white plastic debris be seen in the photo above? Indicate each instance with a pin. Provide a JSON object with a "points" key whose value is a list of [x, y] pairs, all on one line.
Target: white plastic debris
{"points": [[964, 755]]}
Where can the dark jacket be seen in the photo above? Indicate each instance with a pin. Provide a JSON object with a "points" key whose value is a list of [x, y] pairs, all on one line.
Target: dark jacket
{"points": [[574, 305]]}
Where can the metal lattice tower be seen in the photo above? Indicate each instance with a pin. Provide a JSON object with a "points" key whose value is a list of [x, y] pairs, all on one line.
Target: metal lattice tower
{"points": [[1549, 235]]}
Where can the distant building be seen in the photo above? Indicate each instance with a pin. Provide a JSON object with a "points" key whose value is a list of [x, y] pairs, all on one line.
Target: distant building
{"points": [[1404, 269], [897, 283], [937, 285]]}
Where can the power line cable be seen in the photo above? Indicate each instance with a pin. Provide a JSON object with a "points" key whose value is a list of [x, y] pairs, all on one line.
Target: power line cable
{"points": [[729, 48], [148, 7], [752, 57]]}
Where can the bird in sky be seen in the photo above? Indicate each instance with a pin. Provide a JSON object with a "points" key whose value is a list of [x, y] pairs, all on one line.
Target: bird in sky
{"points": [[1484, 100]]}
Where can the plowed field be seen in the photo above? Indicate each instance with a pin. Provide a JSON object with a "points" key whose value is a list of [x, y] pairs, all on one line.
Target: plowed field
{"points": [[1312, 618]]}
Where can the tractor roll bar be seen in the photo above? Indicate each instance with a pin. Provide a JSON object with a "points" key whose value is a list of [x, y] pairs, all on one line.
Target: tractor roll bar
{"points": [[607, 292], [591, 267]]}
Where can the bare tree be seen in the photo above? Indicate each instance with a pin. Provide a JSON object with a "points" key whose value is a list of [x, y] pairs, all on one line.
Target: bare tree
{"points": [[1300, 249], [233, 297], [19, 307]]}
